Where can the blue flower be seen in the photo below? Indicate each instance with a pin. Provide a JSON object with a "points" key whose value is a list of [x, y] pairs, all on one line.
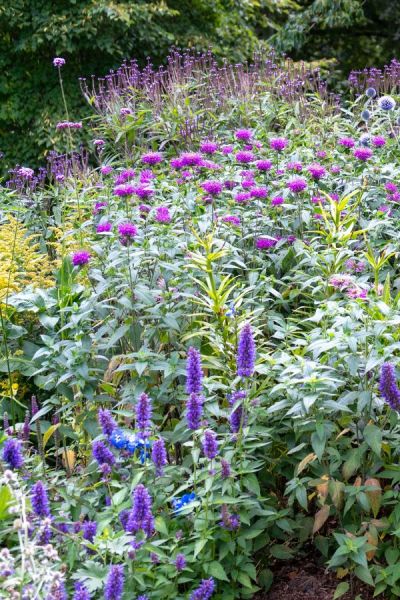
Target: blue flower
{"points": [[231, 312], [118, 439], [179, 503]]}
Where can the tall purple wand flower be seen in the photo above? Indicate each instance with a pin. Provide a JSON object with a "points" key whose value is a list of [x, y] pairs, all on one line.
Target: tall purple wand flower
{"points": [[102, 454], [204, 591], [141, 517], [246, 353], [106, 421], [114, 586], [194, 374], [39, 500], [12, 453], [143, 413], [210, 445], [159, 456], [81, 592], [194, 411], [388, 386]]}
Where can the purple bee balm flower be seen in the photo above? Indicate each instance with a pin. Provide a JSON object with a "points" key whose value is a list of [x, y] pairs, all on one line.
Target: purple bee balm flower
{"points": [[143, 413], [316, 171], [194, 374], [106, 169], [125, 176], [244, 156], [232, 219], [208, 147], [124, 189], [263, 165], [357, 292], [190, 159], [388, 386], [141, 517], [297, 185], [204, 591], [81, 592], [277, 200], [335, 169], [378, 141], [106, 421], [180, 562], [362, 154], [321, 154], [12, 453], [143, 191], [105, 227], [278, 144], [39, 500], [210, 444], [80, 258], [58, 62], [227, 149], [152, 158], [212, 187], [259, 192], [294, 166], [127, 230], [391, 187], [194, 411], [102, 454], [99, 143], [125, 111], [264, 243], [244, 135], [114, 585], [99, 206], [248, 184], [163, 215], [242, 197], [89, 530], [159, 456], [68, 125], [144, 209], [225, 469], [347, 142], [246, 352]]}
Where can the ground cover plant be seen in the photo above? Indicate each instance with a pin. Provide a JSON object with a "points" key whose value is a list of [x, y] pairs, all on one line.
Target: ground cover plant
{"points": [[199, 337]]}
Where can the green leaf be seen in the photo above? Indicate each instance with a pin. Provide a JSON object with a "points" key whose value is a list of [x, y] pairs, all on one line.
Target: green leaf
{"points": [[373, 437], [341, 589], [5, 499], [364, 574], [217, 570], [47, 435]]}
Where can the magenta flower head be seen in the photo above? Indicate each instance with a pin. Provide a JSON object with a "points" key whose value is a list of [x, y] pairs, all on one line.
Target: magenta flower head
{"points": [[190, 159], [246, 352], [244, 135], [388, 386], [297, 185], [316, 171], [106, 421], [106, 169], [80, 258], [12, 453], [194, 411], [180, 562], [127, 232], [208, 147], [278, 144], [159, 456], [347, 142], [99, 143], [58, 62], [210, 444], [39, 500], [362, 154], [227, 149], [26, 173], [143, 413], [259, 192], [242, 197], [263, 164], [105, 227], [277, 200], [163, 215], [212, 187], [245, 156], [68, 125], [114, 585], [102, 454], [232, 220], [378, 141], [194, 373], [204, 591], [264, 243], [152, 158], [124, 189], [141, 517]]}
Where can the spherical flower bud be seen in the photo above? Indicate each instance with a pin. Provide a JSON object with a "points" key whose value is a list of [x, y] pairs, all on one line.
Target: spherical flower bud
{"points": [[386, 103], [365, 115], [370, 92]]}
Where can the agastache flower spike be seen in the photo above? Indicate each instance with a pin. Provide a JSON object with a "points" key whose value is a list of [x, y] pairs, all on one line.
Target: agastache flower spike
{"points": [[210, 445], [39, 500], [81, 592], [388, 386], [246, 353], [12, 453], [141, 517], [143, 413], [114, 586], [159, 456], [194, 374], [194, 411], [106, 421], [204, 591]]}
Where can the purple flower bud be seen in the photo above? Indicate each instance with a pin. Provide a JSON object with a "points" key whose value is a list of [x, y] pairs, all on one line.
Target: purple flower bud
{"points": [[225, 469]]}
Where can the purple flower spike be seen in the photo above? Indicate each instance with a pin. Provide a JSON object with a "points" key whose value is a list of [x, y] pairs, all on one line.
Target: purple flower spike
{"points": [[225, 469], [141, 517], [204, 591], [159, 456], [12, 453], [246, 353], [143, 413], [114, 586], [81, 592], [194, 374], [210, 445], [102, 454], [194, 411], [39, 500], [180, 562], [388, 386], [106, 421]]}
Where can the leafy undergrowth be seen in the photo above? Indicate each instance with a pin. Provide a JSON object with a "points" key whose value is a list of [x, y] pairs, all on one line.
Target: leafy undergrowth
{"points": [[191, 347]]}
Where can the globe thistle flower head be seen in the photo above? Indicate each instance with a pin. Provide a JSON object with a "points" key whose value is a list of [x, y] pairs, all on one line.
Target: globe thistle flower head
{"points": [[80, 258], [114, 585], [365, 115], [210, 444], [194, 411], [386, 103], [204, 591], [39, 500], [246, 352], [370, 92], [12, 453], [58, 62]]}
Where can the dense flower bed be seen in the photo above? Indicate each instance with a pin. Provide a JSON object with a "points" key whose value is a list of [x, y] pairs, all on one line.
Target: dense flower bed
{"points": [[204, 361]]}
